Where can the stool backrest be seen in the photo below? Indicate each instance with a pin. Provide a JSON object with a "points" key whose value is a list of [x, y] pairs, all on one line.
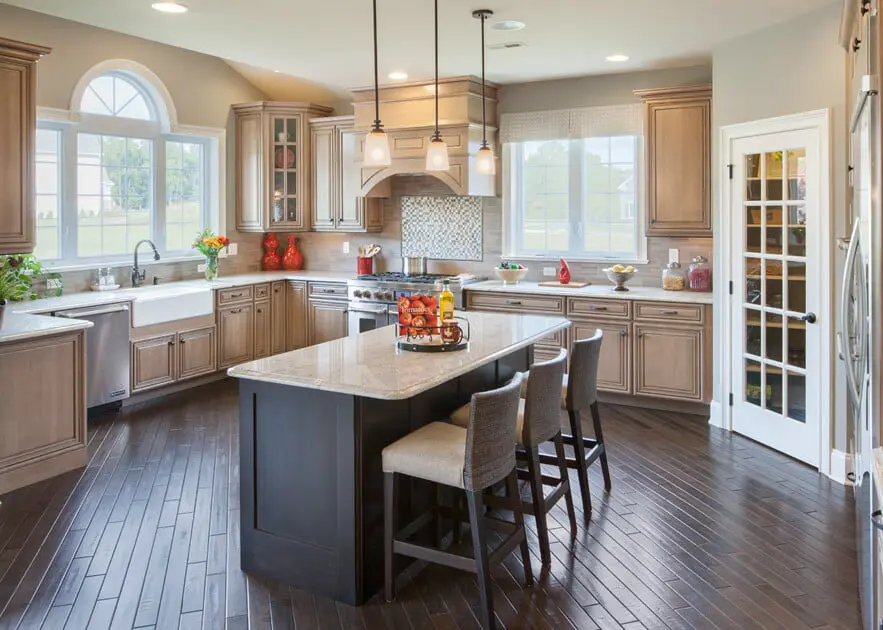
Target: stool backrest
{"points": [[582, 382], [490, 442], [542, 403]]}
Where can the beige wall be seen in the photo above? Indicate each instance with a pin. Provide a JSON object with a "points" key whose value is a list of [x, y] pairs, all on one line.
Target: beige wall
{"points": [[787, 69]]}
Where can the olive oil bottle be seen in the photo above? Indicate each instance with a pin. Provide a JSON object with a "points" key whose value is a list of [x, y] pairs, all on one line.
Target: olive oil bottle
{"points": [[446, 303]]}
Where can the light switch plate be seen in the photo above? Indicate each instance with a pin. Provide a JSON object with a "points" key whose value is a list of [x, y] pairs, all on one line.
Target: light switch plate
{"points": [[674, 256], [232, 249], [550, 272], [346, 247]]}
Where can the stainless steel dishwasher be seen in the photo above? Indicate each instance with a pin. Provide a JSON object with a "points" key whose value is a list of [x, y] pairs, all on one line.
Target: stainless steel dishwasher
{"points": [[107, 352]]}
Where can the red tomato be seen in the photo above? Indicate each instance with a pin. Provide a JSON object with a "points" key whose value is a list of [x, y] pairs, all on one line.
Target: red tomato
{"points": [[405, 318], [419, 321], [404, 303]]}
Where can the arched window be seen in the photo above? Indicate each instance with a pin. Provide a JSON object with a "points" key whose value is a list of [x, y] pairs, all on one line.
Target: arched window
{"points": [[123, 173]]}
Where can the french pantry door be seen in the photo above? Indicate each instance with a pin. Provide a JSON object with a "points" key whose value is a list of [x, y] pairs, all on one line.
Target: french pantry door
{"points": [[778, 228]]}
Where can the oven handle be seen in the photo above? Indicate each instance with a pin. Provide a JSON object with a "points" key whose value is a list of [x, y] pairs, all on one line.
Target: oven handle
{"points": [[369, 311]]}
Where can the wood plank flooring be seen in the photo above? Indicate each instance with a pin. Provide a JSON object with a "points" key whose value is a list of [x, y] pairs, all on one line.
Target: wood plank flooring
{"points": [[702, 530]]}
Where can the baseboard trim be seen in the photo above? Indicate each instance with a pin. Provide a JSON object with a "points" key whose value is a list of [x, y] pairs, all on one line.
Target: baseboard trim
{"points": [[659, 404], [159, 392], [841, 467], [716, 415]]}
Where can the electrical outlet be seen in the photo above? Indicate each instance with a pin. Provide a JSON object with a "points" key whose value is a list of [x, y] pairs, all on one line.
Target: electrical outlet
{"points": [[53, 284], [200, 268], [674, 256], [232, 249], [346, 247], [550, 272]]}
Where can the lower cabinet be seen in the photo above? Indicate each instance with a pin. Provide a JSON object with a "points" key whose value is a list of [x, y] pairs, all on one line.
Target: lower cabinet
{"points": [[170, 357], [262, 329], [668, 362], [197, 353], [278, 308], [235, 335], [614, 366], [296, 315], [327, 320]]}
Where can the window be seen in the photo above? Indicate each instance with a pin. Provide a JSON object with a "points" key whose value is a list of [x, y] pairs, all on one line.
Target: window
{"points": [[117, 176], [577, 197]]}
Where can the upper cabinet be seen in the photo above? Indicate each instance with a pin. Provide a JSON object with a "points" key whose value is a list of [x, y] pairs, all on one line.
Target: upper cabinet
{"points": [[678, 160], [338, 202], [18, 129], [273, 166]]}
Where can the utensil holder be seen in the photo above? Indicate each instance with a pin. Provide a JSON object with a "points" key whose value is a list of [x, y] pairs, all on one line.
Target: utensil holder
{"points": [[364, 265]]}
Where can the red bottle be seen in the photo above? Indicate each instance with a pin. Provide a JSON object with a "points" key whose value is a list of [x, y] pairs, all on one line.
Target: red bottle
{"points": [[271, 260], [564, 272], [292, 260]]}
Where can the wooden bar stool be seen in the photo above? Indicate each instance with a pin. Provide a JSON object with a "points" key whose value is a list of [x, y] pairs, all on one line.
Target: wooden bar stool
{"points": [[539, 422], [472, 459]]}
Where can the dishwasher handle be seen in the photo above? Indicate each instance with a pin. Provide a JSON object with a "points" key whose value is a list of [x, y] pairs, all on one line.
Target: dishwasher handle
{"points": [[116, 308]]}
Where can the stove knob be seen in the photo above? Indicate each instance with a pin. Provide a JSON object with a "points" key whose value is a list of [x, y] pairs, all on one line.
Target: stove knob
{"points": [[388, 296], [358, 294]]}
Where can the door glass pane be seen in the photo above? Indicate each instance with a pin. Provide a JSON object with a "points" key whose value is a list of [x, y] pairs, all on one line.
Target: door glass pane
{"points": [[291, 188], [278, 208], [774, 176], [774, 230], [291, 129], [774, 297], [752, 230], [752, 176], [797, 231], [278, 183], [753, 383], [797, 287], [752, 332], [797, 397], [775, 395], [291, 209], [796, 159], [753, 283], [796, 342], [278, 128], [774, 337]]}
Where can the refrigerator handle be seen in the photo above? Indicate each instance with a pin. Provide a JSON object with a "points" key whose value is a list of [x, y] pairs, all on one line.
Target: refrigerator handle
{"points": [[849, 267]]}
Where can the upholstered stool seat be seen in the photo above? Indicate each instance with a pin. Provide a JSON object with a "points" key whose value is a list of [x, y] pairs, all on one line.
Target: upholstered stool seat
{"points": [[436, 452]]}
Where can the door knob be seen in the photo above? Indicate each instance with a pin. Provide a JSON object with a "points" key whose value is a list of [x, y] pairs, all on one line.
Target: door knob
{"points": [[809, 318]]}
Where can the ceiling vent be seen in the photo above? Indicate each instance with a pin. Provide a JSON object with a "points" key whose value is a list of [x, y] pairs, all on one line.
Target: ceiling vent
{"points": [[506, 45]]}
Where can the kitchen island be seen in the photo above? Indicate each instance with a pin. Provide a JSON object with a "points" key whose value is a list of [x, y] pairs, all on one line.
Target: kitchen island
{"points": [[312, 426]]}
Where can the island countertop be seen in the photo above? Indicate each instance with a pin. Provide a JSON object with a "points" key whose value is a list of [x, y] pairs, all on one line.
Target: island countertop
{"points": [[371, 366]]}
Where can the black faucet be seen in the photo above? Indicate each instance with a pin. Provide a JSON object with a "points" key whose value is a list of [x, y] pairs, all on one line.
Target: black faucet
{"points": [[138, 274]]}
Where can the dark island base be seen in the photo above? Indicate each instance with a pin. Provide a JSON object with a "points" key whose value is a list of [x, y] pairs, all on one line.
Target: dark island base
{"points": [[312, 481]]}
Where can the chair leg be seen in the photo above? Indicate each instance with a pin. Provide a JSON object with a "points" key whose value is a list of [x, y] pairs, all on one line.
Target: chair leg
{"points": [[458, 516], [605, 469], [475, 501], [439, 521], [579, 450], [565, 479], [537, 494], [515, 497], [389, 531]]}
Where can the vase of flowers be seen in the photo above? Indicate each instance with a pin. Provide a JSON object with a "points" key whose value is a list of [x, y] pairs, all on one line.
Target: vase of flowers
{"points": [[210, 246]]}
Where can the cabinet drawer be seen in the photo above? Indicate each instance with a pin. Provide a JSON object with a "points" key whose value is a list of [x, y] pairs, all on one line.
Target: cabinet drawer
{"points": [[519, 303], [557, 339], [261, 291], [541, 354], [595, 308], [669, 312], [324, 290], [232, 296]]}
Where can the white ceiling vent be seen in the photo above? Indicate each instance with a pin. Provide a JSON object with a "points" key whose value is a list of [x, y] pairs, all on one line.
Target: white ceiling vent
{"points": [[506, 45]]}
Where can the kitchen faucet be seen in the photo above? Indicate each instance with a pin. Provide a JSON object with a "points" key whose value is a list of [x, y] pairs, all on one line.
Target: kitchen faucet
{"points": [[138, 273]]}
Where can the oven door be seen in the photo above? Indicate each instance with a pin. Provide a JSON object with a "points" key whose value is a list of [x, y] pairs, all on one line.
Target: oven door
{"points": [[365, 317]]}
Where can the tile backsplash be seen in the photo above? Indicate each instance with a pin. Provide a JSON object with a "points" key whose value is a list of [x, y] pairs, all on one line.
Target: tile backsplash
{"points": [[443, 227]]}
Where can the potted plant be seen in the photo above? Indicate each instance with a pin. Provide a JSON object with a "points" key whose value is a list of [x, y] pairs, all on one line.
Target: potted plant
{"points": [[17, 275], [210, 245]]}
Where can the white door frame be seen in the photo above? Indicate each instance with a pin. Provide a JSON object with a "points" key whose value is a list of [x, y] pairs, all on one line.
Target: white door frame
{"points": [[818, 120]]}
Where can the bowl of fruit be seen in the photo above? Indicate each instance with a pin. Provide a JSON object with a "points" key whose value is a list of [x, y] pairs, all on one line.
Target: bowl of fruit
{"points": [[619, 275], [510, 273]]}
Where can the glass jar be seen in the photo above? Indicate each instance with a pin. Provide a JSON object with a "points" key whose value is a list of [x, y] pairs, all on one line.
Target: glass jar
{"points": [[700, 275], [674, 278]]}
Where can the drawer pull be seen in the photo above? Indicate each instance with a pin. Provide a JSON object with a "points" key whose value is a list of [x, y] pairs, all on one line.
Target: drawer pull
{"points": [[236, 295], [171, 343], [329, 290], [640, 335], [260, 310], [668, 312], [236, 311], [597, 308], [513, 302]]}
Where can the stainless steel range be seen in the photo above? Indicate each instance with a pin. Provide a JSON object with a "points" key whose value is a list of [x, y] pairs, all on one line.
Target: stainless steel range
{"points": [[372, 298]]}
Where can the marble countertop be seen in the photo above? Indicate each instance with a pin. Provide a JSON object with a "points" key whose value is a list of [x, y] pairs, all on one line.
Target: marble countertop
{"points": [[655, 294], [370, 365], [19, 326]]}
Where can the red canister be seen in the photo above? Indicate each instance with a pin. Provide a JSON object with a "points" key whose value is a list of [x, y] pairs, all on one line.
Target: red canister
{"points": [[364, 265]]}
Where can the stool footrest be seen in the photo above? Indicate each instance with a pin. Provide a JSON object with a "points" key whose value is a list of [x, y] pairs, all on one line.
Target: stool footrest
{"points": [[592, 454]]}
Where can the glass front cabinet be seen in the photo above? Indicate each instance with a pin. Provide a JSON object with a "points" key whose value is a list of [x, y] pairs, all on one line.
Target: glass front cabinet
{"points": [[273, 170]]}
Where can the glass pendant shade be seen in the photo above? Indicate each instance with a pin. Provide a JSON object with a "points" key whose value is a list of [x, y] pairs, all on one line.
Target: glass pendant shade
{"points": [[437, 156], [377, 149], [485, 163]]}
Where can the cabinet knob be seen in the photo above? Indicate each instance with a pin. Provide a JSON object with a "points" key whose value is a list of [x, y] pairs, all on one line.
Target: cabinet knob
{"points": [[260, 310], [181, 341], [640, 335], [623, 333], [652, 221], [172, 342]]}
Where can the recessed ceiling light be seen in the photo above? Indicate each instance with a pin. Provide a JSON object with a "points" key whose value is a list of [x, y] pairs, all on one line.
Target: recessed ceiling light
{"points": [[398, 75], [508, 25], [618, 58], [170, 7], [277, 71]]}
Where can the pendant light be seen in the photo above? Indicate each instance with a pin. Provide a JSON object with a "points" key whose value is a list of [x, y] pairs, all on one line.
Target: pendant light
{"points": [[485, 162], [377, 142], [437, 155]]}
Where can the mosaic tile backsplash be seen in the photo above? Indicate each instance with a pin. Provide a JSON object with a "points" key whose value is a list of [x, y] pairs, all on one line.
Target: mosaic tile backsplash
{"points": [[442, 227]]}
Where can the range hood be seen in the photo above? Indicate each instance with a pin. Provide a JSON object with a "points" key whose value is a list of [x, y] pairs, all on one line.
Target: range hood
{"points": [[408, 114]]}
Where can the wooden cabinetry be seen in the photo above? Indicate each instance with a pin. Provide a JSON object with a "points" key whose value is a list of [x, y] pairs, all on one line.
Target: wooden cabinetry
{"points": [[615, 367], [273, 166], [262, 329], [18, 128], [278, 304], [153, 362], [678, 160], [337, 202], [296, 316], [196, 353], [668, 362], [327, 316], [165, 354], [235, 334]]}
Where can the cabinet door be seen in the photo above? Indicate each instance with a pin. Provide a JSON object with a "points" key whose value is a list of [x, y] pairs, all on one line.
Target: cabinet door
{"points": [[296, 316], [614, 367], [357, 213], [325, 177], [249, 172], [235, 335], [277, 317], [288, 175], [197, 353], [262, 329], [668, 362], [153, 362], [327, 321]]}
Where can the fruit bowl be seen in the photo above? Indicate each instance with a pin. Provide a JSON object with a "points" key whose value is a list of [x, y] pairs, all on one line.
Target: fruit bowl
{"points": [[619, 278], [511, 276]]}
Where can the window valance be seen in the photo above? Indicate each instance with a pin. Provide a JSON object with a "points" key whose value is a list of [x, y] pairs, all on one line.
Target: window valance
{"points": [[573, 124]]}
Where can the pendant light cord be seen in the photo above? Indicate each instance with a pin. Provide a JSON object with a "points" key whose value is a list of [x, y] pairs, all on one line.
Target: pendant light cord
{"points": [[437, 132], [483, 99], [376, 75]]}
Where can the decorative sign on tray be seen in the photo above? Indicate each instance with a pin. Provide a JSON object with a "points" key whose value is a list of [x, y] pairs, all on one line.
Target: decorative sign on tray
{"points": [[420, 329]]}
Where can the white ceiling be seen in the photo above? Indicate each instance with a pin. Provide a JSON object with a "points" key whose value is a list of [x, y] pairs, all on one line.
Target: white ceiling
{"points": [[329, 41]]}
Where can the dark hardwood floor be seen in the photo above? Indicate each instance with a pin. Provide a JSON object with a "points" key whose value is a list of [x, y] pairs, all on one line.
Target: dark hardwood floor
{"points": [[702, 530]]}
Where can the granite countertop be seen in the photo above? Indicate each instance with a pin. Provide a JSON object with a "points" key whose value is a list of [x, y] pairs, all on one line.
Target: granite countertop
{"points": [[655, 294], [370, 365], [18, 326]]}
